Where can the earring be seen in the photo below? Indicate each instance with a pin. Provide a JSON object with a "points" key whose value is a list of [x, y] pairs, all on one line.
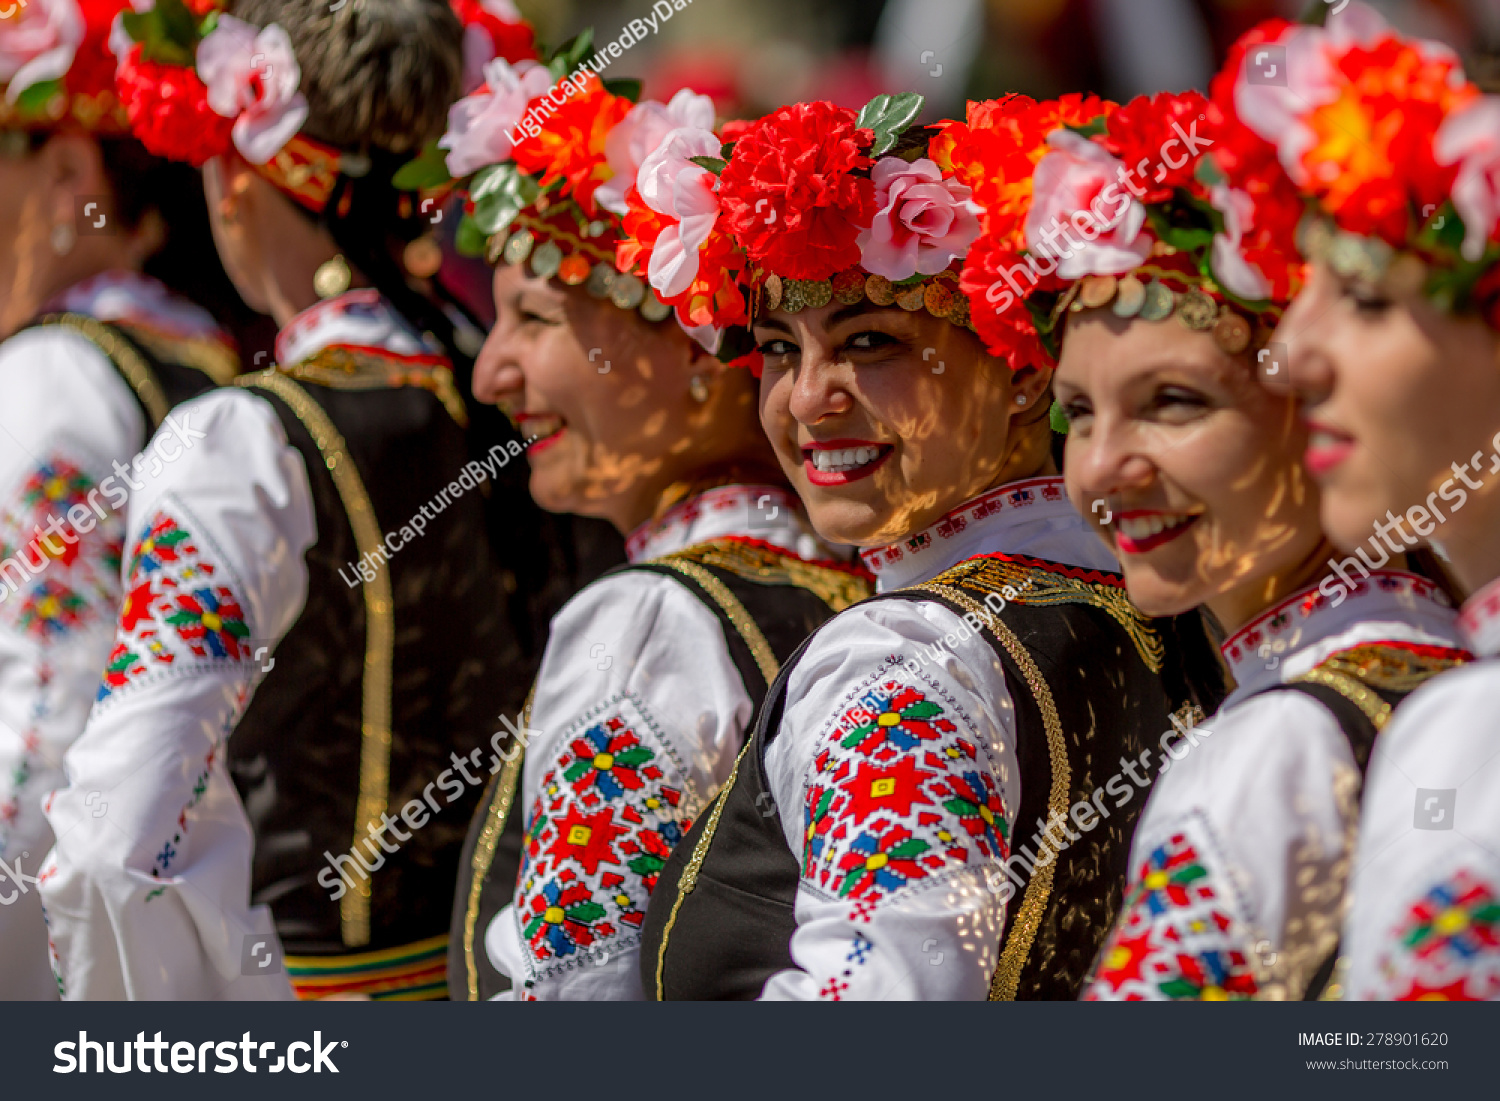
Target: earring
{"points": [[1020, 399], [63, 238], [698, 387], [332, 277]]}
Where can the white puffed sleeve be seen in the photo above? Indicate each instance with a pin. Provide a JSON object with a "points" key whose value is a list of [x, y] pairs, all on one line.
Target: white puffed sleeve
{"points": [[1240, 860], [896, 782], [69, 421], [1424, 915], [638, 716], [147, 888]]}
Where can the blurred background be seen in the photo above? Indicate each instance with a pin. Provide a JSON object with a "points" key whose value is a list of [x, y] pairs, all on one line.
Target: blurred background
{"points": [[755, 55]]}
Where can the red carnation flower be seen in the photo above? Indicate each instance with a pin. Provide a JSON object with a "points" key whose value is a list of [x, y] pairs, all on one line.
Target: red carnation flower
{"points": [[715, 296], [1144, 134], [993, 273], [513, 41], [168, 110], [790, 196]]}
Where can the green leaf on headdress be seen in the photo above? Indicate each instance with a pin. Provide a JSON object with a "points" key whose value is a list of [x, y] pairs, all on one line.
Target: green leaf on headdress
{"points": [[888, 116], [168, 33], [628, 87], [727, 150], [469, 240], [1315, 14], [1443, 230], [713, 164], [429, 169], [570, 53], [1058, 418], [1208, 173], [500, 192], [34, 100], [1091, 129]]}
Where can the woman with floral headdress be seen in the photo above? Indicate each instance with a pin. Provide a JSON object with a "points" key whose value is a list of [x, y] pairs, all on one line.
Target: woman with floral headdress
{"points": [[1156, 284], [1395, 362], [313, 577], [94, 354], [652, 675], [912, 817]]}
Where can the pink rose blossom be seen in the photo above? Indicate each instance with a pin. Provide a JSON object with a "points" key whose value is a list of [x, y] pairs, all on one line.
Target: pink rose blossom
{"points": [[1081, 215], [481, 127], [1232, 271], [671, 184], [252, 77], [38, 43], [922, 221], [1471, 139], [640, 133]]}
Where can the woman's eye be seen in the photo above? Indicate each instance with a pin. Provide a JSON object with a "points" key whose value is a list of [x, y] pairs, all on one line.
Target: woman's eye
{"points": [[1179, 402], [1074, 410], [869, 340], [530, 317], [1369, 301], [777, 348]]}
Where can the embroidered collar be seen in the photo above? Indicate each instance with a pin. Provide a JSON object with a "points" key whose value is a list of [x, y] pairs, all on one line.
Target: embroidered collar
{"points": [[767, 513], [1307, 627], [1480, 620], [358, 318], [131, 298], [1027, 517]]}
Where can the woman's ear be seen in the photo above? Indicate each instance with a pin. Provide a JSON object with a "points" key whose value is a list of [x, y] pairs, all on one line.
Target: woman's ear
{"points": [[74, 168], [1029, 388]]}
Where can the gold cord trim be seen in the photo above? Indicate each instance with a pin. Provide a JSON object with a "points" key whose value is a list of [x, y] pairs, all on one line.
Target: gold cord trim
{"points": [[1023, 928], [200, 353], [837, 588], [1039, 586], [380, 633], [765, 658], [484, 849], [1375, 708], [346, 369], [137, 371], [1391, 668]]}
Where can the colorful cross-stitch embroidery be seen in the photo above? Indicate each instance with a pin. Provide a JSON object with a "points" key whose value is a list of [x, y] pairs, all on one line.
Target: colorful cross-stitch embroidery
{"points": [[1177, 937], [1448, 946], [607, 814]]}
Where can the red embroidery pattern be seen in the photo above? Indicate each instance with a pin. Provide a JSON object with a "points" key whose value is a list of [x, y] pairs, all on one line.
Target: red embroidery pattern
{"points": [[1177, 937], [58, 578], [605, 819], [1447, 948], [176, 606], [897, 789]]}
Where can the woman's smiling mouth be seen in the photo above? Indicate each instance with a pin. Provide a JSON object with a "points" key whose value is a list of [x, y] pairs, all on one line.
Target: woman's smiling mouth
{"points": [[839, 462]]}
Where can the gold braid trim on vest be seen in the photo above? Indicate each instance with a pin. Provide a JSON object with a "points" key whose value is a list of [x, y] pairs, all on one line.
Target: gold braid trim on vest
{"points": [[838, 588], [380, 632], [1356, 673], [484, 848], [1036, 585], [349, 369]]}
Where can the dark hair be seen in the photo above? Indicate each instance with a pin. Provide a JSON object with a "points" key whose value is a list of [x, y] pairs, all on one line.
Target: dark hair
{"points": [[379, 77]]}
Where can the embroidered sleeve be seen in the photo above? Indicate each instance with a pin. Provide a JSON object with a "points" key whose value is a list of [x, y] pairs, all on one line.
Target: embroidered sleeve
{"points": [[148, 885], [1182, 932], [1446, 947], [609, 810], [904, 803]]}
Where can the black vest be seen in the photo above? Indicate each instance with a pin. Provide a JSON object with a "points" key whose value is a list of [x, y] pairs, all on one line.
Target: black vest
{"points": [[1085, 672], [296, 754], [786, 600]]}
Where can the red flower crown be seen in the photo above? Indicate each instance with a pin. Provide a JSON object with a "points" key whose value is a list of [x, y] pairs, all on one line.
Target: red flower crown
{"points": [[1090, 204], [59, 72], [1382, 148]]}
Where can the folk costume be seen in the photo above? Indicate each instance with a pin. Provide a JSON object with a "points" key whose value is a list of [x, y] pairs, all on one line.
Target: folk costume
{"points": [[87, 382], [1424, 913], [1131, 210], [887, 832], [652, 675], [313, 640]]}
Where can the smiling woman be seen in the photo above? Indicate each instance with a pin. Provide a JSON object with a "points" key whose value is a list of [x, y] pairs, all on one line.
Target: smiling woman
{"points": [[1198, 472], [1395, 359], [653, 674], [867, 828]]}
